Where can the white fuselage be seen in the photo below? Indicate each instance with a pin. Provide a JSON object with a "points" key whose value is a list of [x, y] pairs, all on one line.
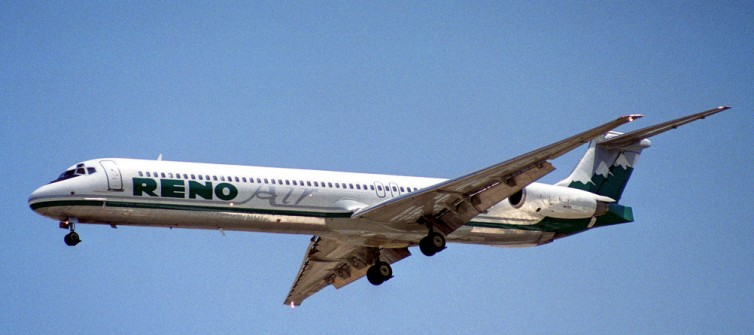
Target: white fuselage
{"points": [[117, 191]]}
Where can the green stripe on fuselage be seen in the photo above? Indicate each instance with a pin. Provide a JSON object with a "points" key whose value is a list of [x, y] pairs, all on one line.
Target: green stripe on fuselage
{"points": [[125, 204]]}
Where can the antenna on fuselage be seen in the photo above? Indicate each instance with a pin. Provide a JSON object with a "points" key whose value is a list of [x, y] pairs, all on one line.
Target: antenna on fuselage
{"points": [[159, 158]]}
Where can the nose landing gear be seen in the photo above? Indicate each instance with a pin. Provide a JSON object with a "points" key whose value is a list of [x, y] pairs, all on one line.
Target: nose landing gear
{"points": [[72, 238]]}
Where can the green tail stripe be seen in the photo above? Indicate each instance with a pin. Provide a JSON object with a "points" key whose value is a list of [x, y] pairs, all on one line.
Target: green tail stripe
{"points": [[611, 186]]}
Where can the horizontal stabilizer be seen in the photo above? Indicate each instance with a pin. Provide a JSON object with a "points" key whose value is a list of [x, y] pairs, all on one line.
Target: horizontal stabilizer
{"points": [[638, 135]]}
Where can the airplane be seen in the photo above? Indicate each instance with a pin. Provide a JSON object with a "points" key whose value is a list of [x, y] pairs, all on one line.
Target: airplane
{"points": [[362, 223]]}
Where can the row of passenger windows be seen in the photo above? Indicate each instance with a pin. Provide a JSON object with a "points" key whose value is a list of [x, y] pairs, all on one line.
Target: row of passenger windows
{"points": [[395, 188]]}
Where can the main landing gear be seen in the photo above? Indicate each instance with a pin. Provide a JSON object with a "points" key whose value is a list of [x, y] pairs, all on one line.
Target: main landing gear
{"points": [[380, 272], [432, 243], [72, 238]]}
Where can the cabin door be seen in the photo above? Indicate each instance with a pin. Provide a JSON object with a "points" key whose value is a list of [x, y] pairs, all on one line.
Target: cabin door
{"points": [[114, 178]]}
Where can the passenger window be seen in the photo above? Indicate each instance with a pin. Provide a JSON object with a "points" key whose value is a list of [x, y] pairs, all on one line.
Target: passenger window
{"points": [[260, 180], [294, 183], [316, 184], [280, 181], [148, 174], [201, 177], [162, 174], [379, 187], [329, 184], [185, 176], [371, 187], [243, 179], [358, 187], [273, 181], [402, 190], [395, 189], [141, 174], [308, 183], [287, 182], [193, 176]]}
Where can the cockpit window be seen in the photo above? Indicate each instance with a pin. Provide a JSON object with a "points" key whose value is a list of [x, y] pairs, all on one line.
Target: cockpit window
{"points": [[79, 170]]}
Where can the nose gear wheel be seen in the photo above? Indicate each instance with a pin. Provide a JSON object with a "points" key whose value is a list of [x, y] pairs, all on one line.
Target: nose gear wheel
{"points": [[72, 238]]}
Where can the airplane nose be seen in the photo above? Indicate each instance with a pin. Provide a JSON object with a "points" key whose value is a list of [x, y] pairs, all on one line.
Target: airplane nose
{"points": [[43, 193], [35, 196]]}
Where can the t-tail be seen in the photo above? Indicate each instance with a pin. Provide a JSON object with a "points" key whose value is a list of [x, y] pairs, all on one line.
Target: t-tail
{"points": [[604, 170], [610, 159]]}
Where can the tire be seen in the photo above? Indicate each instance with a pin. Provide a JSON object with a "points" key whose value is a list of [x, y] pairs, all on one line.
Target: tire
{"points": [[71, 239], [425, 245], [374, 277], [432, 244]]}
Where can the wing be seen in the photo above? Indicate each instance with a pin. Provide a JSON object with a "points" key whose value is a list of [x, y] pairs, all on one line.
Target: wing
{"points": [[447, 206], [632, 137], [330, 262], [451, 204]]}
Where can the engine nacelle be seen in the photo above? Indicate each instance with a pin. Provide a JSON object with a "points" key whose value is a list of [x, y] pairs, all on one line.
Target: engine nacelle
{"points": [[559, 202]]}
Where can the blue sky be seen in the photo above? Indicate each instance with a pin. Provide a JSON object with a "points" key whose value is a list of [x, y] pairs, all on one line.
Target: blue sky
{"points": [[415, 88]]}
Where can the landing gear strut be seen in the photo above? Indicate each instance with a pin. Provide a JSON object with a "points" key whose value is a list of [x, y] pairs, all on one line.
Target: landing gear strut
{"points": [[380, 272], [72, 238]]}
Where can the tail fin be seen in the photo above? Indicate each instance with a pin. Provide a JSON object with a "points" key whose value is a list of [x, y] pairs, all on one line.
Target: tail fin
{"points": [[605, 171], [610, 159]]}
